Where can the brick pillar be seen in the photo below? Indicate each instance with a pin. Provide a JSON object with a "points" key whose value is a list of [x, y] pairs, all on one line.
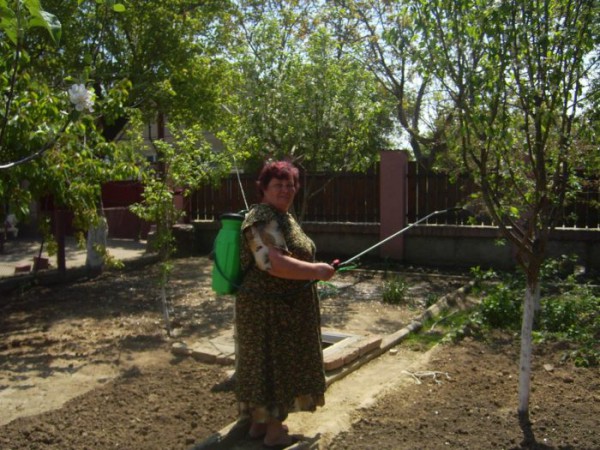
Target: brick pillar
{"points": [[392, 194]]}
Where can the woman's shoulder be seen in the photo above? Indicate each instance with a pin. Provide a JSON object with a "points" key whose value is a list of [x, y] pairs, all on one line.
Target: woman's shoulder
{"points": [[260, 212]]}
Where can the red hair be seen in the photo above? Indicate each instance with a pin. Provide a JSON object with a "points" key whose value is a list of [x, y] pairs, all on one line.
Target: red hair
{"points": [[281, 170]]}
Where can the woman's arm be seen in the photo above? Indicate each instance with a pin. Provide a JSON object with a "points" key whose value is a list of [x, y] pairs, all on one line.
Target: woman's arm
{"points": [[283, 266], [268, 247]]}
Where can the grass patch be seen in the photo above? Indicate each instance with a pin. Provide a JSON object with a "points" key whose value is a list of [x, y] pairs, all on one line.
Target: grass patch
{"points": [[394, 290], [443, 328]]}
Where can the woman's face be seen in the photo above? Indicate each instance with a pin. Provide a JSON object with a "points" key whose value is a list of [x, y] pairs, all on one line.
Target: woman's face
{"points": [[280, 193]]}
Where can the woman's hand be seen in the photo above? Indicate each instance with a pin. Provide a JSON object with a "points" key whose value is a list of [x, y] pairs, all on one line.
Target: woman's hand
{"points": [[324, 270]]}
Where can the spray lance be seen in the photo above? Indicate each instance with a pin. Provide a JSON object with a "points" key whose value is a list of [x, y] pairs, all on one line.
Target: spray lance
{"points": [[337, 264]]}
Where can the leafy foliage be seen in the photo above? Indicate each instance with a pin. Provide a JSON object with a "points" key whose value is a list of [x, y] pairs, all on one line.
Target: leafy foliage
{"points": [[49, 148], [573, 315], [308, 100], [501, 307], [50, 151], [569, 311], [300, 95]]}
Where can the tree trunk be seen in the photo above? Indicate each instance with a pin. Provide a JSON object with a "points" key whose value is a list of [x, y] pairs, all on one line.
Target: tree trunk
{"points": [[165, 308], [532, 294], [96, 237], [59, 234]]}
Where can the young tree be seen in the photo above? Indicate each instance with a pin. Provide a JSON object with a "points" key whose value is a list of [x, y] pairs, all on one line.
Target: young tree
{"points": [[188, 162], [516, 72]]}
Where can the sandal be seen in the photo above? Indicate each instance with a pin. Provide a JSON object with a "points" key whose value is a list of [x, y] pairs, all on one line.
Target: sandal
{"points": [[262, 435], [293, 440]]}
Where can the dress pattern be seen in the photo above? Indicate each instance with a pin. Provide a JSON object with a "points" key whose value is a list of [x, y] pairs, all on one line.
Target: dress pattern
{"points": [[278, 325]]}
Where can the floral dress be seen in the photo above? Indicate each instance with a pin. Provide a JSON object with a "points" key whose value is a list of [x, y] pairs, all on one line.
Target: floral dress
{"points": [[278, 325]]}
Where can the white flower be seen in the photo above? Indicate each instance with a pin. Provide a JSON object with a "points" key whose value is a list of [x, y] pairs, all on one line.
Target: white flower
{"points": [[81, 97]]}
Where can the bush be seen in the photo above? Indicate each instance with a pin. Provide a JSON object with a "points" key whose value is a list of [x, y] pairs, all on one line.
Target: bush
{"points": [[481, 277], [574, 316], [558, 315], [570, 312], [558, 268], [502, 306]]}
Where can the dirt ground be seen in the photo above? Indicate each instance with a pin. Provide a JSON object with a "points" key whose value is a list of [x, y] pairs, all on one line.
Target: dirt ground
{"points": [[88, 366]]}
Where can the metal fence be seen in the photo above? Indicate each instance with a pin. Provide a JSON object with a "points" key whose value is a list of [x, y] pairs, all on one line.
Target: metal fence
{"points": [[355, 197], [342, 197]]}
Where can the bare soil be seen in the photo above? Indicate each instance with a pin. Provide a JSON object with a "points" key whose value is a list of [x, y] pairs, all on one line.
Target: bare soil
{"points": [[88, 366]]}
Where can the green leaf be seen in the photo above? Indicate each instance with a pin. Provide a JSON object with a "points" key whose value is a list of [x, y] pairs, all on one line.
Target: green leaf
{"points": [[8, 22], [119, 7], [48, 21], [9, 27]]}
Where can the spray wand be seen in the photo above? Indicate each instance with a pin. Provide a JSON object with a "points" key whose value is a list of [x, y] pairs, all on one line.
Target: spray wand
{"points": [[338, 265]]}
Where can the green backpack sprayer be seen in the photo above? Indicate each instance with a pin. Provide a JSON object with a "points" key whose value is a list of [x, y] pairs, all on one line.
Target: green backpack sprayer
{"points": [[227, 272]]}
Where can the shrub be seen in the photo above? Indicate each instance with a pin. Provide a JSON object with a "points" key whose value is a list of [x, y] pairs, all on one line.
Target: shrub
{"points": [[480, 277], [558, 315], [558, 268], [574, 316], [502, 306], [570, 311]]}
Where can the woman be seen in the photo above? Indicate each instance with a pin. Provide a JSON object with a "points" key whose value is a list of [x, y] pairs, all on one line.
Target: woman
{"points": [[280, 361]]}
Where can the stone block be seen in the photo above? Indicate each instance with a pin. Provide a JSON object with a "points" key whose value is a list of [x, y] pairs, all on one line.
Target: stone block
{"points": [[205, 357], [351, 354], [369, 344], [333, 362], [226, 360], [179, 348], [25, 268]]}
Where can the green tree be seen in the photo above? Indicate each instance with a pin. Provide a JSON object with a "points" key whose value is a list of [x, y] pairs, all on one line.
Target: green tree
{"points": [[149, 59], [300, 96], [49, 146], [168, 51], [516, 73], [156, 59], [390, 50]]}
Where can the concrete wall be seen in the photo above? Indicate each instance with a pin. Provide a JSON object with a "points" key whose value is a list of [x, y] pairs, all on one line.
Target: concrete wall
{"points": [[435, 245], [451, 246], [426, 245]]}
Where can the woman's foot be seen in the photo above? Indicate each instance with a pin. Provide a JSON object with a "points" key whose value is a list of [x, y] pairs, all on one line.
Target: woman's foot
{"points": [[277, 436], [259, 430], [289, 441]]}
